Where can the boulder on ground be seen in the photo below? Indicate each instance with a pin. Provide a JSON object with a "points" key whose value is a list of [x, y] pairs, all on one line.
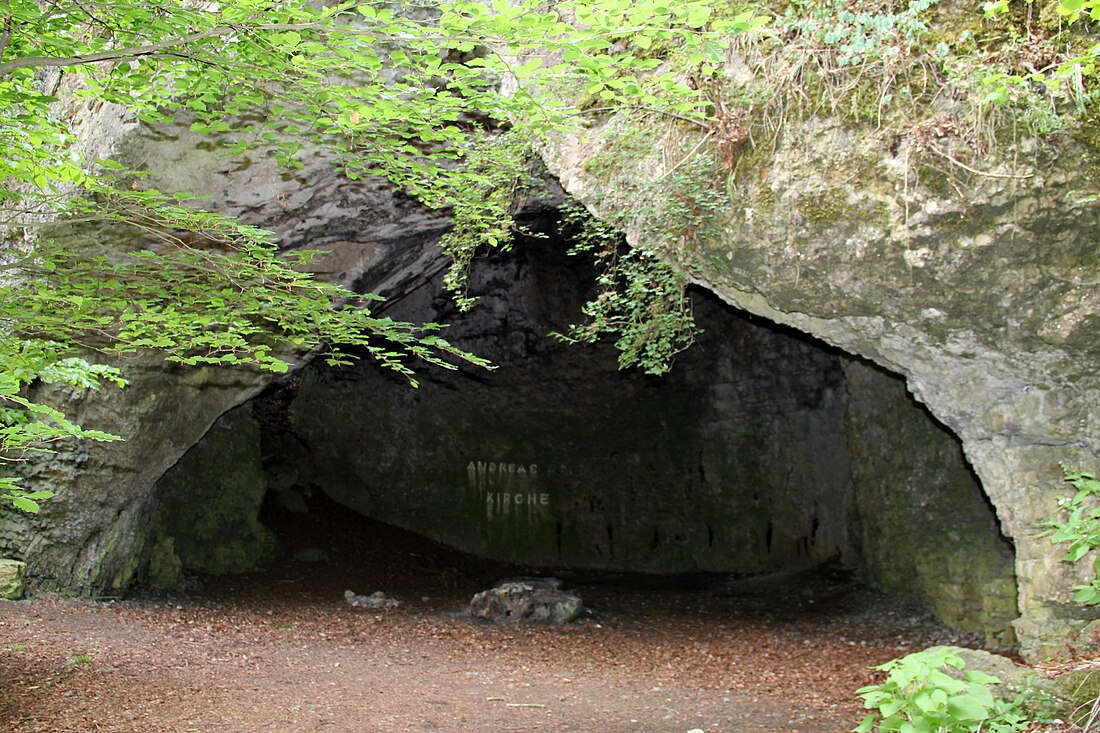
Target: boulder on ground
{"points": [[378, 599], [12, 583], [527, 600]]}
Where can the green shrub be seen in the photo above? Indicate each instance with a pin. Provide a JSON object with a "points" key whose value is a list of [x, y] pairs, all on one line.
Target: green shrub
{"points": [[922, 695], [1080, 529]]}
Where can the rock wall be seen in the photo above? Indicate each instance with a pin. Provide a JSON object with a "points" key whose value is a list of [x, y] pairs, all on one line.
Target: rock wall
{"points": [[735, 462], [94, 536], [209, 505], [922, 526], [977, 284]]}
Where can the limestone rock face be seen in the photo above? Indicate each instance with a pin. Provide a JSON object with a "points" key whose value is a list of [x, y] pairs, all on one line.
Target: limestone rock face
{"points": [[165, 569], [979, 287], [99, 530], [740, 461], [211, 500], [93, 534], [922, 525], [12, 581]]}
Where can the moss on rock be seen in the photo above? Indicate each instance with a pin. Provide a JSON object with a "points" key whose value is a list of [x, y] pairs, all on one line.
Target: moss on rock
{"points": [[12, 582], [165, 570], [924, 527], [211, 504]]}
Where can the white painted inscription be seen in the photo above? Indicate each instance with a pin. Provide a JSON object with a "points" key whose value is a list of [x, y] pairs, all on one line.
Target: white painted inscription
{"points": [[508, 487], [502, 503], [490, 475]]}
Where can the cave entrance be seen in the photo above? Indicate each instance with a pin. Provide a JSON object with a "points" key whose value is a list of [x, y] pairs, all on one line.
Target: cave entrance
{"points": [[763, 453]]}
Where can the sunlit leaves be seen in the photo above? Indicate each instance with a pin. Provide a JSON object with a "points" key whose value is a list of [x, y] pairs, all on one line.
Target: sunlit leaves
{"points": [[1079, 528], [408, 92], [1072, 10], [360, 78], [22, 499], [1069, 72], [932, 692], [28, 426], [239, 307]]}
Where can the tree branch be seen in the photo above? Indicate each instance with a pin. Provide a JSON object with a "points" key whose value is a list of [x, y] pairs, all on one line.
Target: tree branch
{"points": [[154, 49], [112, 55], [151, 49], [4, 39]]}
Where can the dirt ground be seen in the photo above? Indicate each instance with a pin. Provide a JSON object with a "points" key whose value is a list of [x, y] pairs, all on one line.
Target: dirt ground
{"points": [[282, 651]]}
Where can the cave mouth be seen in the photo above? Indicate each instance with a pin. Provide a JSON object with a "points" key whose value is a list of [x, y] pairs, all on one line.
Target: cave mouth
{"points": [[764, 454]]}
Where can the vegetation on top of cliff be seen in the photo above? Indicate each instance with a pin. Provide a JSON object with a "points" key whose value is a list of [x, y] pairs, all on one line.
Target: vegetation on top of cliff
{"points": [[952, 79], [952, 89], [945, 76]]}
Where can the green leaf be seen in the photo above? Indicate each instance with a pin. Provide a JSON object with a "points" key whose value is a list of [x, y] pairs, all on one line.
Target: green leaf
{"points": [[925, 702], [964, 707], [1077, 552], [26, 504], [982, 678], [1086, 594], [286, 40]]}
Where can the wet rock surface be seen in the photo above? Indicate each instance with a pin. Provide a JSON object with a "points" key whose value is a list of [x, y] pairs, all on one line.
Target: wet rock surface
{"points": [[981, 291]]}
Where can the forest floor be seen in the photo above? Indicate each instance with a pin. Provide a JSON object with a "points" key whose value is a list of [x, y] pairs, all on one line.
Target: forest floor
{"points": [[282, 651]]}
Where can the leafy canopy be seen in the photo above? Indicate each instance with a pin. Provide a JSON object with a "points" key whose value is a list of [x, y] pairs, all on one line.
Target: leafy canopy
{"points": [[1071, 71], [407, 91]]}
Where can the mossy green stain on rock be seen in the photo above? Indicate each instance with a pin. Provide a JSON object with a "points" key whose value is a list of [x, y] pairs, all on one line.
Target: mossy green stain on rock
{"points": [[12, 581], [513, 509], [165, 570], [212, 498], [126, 573], [823, 209], [924, 529]]}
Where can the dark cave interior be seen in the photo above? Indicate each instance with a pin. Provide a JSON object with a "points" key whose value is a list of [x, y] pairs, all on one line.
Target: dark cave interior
{"points": [[763, 453]]}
